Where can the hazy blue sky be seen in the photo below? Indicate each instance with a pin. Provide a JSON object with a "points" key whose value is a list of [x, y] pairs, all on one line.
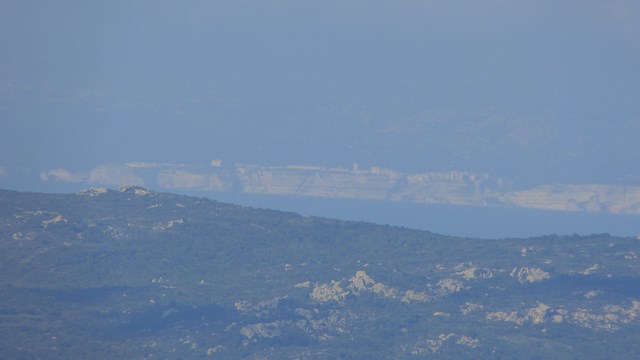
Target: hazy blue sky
{"points": [[537, 91]]}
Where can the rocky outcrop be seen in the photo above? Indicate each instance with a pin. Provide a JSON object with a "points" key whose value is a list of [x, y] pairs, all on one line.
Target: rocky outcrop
{"points": [[530, 275], [93, 192], [610, 319], [413, 296], [535, 315], [449, 286], [55, 220], [361, 281], [442, 341], [470, 272], [468, 308], [329, 292]]}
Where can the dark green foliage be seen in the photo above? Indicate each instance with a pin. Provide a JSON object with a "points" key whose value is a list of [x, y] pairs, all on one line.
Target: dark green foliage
{"points": [[137, 274]]}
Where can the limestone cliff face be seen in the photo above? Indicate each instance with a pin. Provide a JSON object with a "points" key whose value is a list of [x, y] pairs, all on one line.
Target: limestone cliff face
{"points": [[452, 187], [375, 184], [591, 198], [317, 182]]}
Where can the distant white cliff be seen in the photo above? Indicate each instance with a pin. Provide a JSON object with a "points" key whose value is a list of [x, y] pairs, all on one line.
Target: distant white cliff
{"points": [[374, 183]]}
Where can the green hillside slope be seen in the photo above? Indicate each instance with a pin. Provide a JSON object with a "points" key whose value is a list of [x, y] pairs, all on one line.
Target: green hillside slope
{"points": [[131, 273]]}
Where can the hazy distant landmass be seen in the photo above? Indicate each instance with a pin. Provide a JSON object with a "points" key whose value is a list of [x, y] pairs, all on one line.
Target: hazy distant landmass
{"points": [[132, 273], [454, 202], [540, 93], [374, 183]]}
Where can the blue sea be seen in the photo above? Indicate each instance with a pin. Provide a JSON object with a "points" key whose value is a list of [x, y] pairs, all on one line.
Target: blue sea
{"points": [[466, 221]]}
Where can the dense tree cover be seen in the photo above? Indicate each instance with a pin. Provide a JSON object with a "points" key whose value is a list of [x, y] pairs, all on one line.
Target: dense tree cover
{"points": [[139, 274]]}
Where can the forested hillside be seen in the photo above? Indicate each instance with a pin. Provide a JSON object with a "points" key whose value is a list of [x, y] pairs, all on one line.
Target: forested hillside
{"points": [[132, 273]]}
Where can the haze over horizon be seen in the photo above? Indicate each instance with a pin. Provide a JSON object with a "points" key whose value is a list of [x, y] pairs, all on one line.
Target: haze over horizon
{"points": [[540, 93]]}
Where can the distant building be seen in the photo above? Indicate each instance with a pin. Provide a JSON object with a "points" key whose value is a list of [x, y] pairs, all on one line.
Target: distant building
{"points": [[216, 163]]}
